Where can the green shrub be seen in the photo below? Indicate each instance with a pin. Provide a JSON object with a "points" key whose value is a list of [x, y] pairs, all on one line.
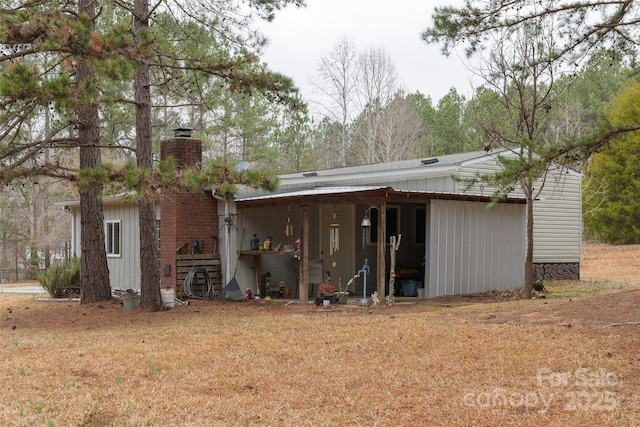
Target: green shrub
{"points": [[62, 279]]}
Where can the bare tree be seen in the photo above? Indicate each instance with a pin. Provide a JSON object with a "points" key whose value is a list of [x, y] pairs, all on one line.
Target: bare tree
{"points": [[582, 27], [519, 69], [377, 85], [338, 75], [399, 130]]}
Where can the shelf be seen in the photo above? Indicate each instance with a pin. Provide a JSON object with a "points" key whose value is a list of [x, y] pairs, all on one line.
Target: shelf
{"points": [[281, 253]]}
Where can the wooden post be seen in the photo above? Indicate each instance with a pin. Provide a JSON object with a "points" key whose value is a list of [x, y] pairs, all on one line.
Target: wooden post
{"points": [[392, 269], [382, 238], [304, 256]]}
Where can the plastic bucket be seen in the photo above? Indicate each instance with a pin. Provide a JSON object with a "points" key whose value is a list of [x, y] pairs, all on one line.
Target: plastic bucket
{"points": [[410, 288], [343, 297], [130, 302], [167, 296]]}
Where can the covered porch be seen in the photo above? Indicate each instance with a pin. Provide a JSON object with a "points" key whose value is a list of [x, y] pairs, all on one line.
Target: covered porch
{"points": [[443, 238]]}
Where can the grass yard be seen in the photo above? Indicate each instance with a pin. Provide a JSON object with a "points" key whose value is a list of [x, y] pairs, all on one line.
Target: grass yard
{"points": [[571, 359]]}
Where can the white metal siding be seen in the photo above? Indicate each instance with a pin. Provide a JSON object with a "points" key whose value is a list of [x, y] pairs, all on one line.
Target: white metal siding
{"points": [[557, 219], [124, 271], [557, 212], [439, 184], [474, 249]]}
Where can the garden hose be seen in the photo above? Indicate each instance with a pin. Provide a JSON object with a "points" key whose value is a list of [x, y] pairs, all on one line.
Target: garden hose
{"points": [[192, 278]]}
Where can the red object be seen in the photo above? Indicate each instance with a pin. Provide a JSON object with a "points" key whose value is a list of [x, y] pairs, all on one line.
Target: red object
{"points": [[249, 295]]}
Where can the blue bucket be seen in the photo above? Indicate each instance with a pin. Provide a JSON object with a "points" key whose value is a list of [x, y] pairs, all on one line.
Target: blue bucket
{"points": [[410, 288]]}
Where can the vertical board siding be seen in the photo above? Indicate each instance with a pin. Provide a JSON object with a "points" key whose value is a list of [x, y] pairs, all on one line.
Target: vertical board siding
{"points": [[475, 249], [124, 271]]}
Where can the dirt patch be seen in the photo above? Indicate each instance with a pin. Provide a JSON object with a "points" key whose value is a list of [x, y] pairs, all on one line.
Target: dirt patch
{"points": [[608, 293], [457, 361]]}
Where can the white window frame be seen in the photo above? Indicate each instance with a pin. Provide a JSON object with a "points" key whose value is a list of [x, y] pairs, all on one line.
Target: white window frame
{"points": [[113, 242]]}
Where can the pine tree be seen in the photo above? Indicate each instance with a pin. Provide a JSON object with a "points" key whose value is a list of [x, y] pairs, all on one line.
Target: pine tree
{"points": [[613, 215]]}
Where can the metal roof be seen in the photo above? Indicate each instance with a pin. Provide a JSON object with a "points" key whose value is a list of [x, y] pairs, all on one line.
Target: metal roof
{"points": [[422, 164], [379, 173], [360, 194], [317, 191]]}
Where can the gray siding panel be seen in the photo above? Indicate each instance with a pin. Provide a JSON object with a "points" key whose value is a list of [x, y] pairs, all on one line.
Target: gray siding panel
{"points": [[124, 271], [440, 184], [475, 249], [558, 219], [557, 212]]}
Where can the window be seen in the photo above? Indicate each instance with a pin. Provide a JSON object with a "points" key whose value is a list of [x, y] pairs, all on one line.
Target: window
{"points": [[113, 238]]}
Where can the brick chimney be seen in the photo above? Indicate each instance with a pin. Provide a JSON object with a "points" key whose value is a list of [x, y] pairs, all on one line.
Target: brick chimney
{"points": [[185, 216]]}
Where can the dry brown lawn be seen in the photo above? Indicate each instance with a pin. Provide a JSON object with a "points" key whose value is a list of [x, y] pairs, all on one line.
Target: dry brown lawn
{"points": [[490, 360]]}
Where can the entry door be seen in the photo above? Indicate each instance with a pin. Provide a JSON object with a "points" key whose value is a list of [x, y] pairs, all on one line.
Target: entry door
{"points": [[340, 263]]}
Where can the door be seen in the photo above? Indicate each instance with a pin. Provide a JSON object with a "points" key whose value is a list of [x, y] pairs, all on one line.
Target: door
{"points": [[336, 243]]}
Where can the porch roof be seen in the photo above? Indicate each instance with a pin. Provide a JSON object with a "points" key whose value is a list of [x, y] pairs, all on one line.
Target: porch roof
{"points": [[359, 194]]}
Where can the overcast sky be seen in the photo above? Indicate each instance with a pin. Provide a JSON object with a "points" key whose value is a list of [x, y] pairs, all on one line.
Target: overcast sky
{"points": [[298, 38]]}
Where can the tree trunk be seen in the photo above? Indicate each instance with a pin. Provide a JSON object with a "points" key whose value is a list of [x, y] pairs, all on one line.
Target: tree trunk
{"points": [[149, 269], [528, 266], [94, 271]]}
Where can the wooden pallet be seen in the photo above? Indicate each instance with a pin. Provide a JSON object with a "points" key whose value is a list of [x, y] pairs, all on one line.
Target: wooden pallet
{"points": [[187, 262]]}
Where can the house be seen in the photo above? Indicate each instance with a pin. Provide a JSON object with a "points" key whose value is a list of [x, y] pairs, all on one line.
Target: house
{"points": [[451, 242]]}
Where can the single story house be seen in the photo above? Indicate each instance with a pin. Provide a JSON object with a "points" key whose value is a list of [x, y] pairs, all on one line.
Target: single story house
{"points": [[451, 243], [338, 222]]}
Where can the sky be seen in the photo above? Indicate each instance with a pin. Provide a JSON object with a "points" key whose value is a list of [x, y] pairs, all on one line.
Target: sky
{"points": [[299, 38]]}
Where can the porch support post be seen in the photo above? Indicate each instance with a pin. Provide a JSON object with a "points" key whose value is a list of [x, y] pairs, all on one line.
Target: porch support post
{"points": [[381, 247], [304, 255]]}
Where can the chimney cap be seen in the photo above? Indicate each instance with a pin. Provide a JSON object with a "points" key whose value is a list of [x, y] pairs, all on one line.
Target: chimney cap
{"points": [[182, 132]]}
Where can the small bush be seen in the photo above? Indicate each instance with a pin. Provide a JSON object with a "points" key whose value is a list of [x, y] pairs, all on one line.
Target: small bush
{"points": [[62, 279]]}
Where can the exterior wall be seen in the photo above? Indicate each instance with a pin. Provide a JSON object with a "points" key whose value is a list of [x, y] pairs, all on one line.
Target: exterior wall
{"points": [[186, 217], [439, 184], [340, 265], [124, 270], [558, 219], [473, 248], [557, 212]]}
